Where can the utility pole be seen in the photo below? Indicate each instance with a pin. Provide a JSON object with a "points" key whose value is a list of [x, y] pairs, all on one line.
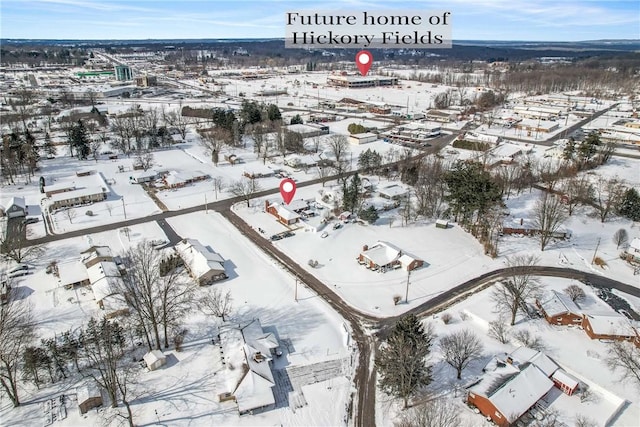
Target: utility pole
{"points": [[595, 252], [123, 208], [406, 297]]}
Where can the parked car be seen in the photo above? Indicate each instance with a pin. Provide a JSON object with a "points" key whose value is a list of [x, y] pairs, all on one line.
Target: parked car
{"points": [[275, 237], [30, 220], [19, 267], [337, 225], [159, 242], [288, 234], [19, 273], [324, 234]]}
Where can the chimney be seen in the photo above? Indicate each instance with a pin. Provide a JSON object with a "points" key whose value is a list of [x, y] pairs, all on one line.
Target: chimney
{"points": [[266, 205], [521, 221], [509, 360], [365, 248]]}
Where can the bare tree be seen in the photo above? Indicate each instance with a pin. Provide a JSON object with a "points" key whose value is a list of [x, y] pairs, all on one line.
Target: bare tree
{"points": [[103, 346], [212, 142], [584, 421], [624, 357], [158, 297], [218, 185], [70, 214], [460, 348], [432, 413], [548, 216], [527, 339], [244, 188], [620, 237], [215, 303], [575, 292], [339, 147], [608, 196], [578, 190], [177, 120], [511, 295], [16, 334], [94, 148], [18, 248], [145, 160], [499, 329], [315, 143]]}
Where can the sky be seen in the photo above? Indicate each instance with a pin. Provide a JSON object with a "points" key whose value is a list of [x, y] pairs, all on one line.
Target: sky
{"points": [[544, 20]]}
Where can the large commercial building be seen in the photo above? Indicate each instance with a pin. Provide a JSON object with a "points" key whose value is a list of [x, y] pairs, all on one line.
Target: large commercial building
{"points": [[123, 73], [357, 81]]}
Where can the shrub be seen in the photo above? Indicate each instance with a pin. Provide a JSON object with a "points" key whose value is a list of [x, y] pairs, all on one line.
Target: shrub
{"points": [[89, 213], [446, 318]]}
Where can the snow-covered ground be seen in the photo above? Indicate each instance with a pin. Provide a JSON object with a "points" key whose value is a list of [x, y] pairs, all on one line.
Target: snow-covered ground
{"points": [[186, 389], [570, 347]]}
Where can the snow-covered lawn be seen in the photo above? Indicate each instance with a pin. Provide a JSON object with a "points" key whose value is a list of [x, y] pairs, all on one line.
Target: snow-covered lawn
{"points": [[569, 347], [186, 389]]}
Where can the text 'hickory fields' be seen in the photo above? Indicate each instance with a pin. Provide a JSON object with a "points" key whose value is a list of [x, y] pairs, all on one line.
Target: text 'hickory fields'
{"points": [[402, 30]]}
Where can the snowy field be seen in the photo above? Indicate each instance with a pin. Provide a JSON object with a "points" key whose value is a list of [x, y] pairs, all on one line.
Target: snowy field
{"points": [[569, 347], [185, 390], [451, 256]]}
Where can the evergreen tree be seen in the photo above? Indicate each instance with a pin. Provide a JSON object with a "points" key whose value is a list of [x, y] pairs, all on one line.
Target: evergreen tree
{"points": [[273, 113], [569, 149], [48, 147], [589, 147], [471, 190], [250, 113], [351, 194], [79, 140], [296, 120], [630, 206], [370, 215], [402, 362]]}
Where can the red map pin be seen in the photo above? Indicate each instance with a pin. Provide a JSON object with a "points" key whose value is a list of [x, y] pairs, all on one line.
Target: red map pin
{"points": [[287, 190], [364, 59]]}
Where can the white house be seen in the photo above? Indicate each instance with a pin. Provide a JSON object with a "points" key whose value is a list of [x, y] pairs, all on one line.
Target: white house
{"points": [[16, 207], [632, 253], [204, 265]]}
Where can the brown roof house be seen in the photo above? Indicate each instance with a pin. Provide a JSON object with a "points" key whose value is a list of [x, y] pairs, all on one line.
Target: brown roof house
{"points": [[559, 309]]}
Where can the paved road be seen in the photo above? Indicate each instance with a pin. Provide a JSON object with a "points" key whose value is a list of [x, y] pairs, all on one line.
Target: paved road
{"points": [[363, 409]]}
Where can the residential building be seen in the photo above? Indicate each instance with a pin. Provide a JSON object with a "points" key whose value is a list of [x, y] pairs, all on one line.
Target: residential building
{"points": [[393, 192], [283, 213], [559, 309], [308, 130], [16, 208], [632, 253], [203, 264], [79, 197], [610, 326], [384, 256]]}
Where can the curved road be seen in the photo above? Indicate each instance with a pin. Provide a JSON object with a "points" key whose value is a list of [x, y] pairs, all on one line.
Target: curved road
{"points": [[363, 408]]}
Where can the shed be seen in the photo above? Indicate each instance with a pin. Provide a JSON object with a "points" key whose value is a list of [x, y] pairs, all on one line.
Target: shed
{"points": [[155, 359], [564, 382], [16, 207], [442, 223], [89, 397]]}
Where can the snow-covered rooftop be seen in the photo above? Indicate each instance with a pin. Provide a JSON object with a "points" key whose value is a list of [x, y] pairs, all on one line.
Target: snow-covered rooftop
{"points": [[71, 272], [559, 303], [199, 259], [523, 355], [610, 324], [82, 192], [520, 393]]}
